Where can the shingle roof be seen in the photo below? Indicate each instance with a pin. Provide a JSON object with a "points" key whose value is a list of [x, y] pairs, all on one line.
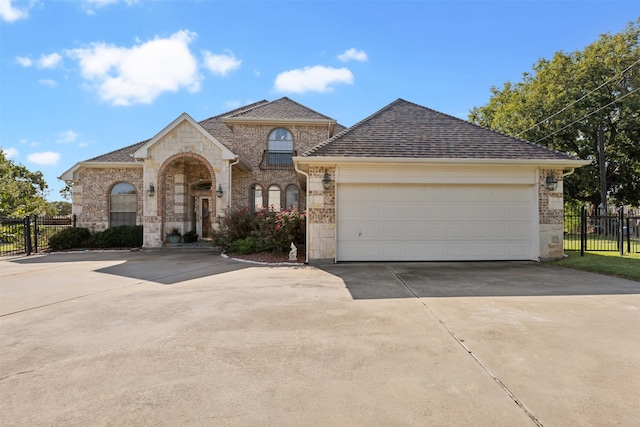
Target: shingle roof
{"points": [[406, 130], [280, 109], [122, 155]]}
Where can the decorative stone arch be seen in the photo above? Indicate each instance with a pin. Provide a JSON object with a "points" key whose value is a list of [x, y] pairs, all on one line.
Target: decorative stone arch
{"points": [[161, 185]]}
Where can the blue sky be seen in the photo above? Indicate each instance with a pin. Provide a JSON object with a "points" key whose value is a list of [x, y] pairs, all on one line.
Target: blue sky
{"points": [[80, 78]]}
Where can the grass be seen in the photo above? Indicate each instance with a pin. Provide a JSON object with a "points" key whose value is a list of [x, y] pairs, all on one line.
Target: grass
{"points": [[609, 263]]}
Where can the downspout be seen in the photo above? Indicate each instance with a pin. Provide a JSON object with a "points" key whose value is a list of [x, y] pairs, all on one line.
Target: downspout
{"points": [[306, 237], [569, 172], [231, 165]]}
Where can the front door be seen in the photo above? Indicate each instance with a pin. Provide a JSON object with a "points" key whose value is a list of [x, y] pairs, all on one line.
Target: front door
{"points": [[204, 227]]}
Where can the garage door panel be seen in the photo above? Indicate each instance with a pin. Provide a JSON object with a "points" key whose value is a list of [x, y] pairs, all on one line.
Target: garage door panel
{"points": [[434, 222]]}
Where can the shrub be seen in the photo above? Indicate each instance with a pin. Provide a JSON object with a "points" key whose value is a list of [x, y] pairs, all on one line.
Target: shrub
{"points": [[268, 230], [234, 225], [248, 245], [124, 236], [70, 238]]}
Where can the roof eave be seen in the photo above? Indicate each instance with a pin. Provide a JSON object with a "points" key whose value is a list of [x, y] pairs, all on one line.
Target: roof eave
{"points": [[554, 163], [68, 175]]}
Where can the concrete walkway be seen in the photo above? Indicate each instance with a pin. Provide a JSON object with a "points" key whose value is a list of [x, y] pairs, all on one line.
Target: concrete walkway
{"points": [[189, 338]]}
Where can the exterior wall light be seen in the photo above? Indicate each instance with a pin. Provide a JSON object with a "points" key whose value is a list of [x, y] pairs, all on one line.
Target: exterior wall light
{"points": [[151, 191], [219, 191], [552, 183], [326, 181]]}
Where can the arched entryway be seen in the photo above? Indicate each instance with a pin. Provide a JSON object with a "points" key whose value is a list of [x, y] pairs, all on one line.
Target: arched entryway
{"points": [[187, 190]]}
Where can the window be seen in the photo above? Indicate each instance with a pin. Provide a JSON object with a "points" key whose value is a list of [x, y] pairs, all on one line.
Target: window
{"points": [[280, 147], [256, 202], [122, 205], [291, 196], [274, 198]]}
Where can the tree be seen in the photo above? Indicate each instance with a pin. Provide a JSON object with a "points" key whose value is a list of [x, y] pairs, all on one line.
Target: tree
{"points": [[21, 191], [59, 208], [563, 103]]}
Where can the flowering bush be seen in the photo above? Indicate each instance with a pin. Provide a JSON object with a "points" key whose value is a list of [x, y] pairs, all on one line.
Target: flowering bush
{"points": [[268, 230]]}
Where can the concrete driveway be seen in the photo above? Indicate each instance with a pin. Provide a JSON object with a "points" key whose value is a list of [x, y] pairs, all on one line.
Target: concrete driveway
{"points": [[189, 338]]}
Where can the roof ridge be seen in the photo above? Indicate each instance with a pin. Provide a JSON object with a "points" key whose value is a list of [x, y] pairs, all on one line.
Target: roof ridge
{"points": [[350, 128], [238, 110]]}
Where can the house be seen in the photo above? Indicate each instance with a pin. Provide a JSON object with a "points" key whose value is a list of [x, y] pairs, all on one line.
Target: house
{"points": [[405, 184]]}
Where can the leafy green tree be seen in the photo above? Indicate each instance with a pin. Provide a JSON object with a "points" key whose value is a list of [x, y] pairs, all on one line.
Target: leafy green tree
{"points": [[22, 192], [568, 102], [59, 208]]}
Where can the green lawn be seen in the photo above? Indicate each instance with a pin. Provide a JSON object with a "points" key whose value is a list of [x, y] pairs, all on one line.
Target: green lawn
{"points": [[609, 263]]}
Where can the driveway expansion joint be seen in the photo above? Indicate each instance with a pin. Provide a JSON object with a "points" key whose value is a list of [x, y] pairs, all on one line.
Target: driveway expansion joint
{"points": [[509, 393]]}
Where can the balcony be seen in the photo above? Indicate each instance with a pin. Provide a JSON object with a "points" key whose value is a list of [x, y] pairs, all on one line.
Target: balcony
{"points": [[282, 160]]}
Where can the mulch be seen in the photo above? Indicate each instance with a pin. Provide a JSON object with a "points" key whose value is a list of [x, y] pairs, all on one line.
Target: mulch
{"points": [[269, 257]]}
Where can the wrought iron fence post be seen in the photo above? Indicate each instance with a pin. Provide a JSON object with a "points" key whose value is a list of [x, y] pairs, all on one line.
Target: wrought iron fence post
{"points": [[27, 235], [621, 230], [35, 233], [583, 230]]}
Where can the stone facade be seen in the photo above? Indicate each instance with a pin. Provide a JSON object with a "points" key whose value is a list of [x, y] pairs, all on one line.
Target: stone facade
{"points": [[550, 216], [321, 215]]}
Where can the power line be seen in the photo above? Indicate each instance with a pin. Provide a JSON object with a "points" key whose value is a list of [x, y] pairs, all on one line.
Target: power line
{"points": [[581, 98], [590, 114]]}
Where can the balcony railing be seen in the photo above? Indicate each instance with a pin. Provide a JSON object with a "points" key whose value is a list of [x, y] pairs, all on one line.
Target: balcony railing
{"points": [[277, 159]]}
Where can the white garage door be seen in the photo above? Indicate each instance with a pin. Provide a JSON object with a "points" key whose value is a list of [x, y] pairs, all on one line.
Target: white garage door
{"points": [[434, 222]]}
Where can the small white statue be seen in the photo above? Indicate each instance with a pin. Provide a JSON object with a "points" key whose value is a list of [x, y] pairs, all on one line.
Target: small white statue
{"points": [[293, 253]]}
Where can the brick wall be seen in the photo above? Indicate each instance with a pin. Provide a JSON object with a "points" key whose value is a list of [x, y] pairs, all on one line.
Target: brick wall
{"points": [[250, 141], [91, 194]]}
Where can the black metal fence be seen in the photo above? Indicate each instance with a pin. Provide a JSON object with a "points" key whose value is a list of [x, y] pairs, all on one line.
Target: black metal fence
{"points": [[602, 230], [30, 234]]}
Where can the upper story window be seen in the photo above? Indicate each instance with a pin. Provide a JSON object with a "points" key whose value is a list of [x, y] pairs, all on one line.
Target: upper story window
{"points": [[280, 150], [122, 204]]}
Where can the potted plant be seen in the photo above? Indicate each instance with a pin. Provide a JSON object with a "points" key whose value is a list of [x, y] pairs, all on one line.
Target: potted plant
{"points": [[173, 236], [190, 236]]}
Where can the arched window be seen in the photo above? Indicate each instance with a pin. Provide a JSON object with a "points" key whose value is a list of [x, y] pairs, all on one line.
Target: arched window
{"points": [[274, 198], [122, 205], [256, 203], [280, 147], [291, 196]]}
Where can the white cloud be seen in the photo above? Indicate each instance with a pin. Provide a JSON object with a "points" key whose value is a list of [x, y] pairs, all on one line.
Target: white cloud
{"points": [[220, 65], [312, 79], [138, 75], [66, 137], [10, 153], [91, 4], [10, 13], [232, 104], [44, 158], [23, 60], [353, 55], [50, 61], [48, 82]]}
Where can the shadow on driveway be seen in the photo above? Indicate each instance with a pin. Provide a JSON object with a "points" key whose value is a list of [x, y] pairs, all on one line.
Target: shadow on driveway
{"points": [[473, 279], [165, 267]]}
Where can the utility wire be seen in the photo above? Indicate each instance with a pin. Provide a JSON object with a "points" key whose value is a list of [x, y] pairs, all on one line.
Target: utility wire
{"points": [[590, 114], [581, 98]]}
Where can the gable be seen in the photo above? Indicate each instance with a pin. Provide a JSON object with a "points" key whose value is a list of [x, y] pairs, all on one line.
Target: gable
{"points": [[143, 151]]}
